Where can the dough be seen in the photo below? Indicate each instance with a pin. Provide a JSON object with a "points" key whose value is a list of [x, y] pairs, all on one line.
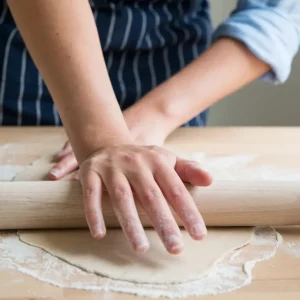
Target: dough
{"points": [[112, 256]]}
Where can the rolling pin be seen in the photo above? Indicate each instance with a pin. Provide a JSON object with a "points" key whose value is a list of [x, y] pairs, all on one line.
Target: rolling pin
{"points": [[48, 204]]}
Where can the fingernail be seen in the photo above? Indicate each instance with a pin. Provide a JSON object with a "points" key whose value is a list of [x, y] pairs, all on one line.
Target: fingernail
{"points": [[98, 233], [174, 243], [140, 245], [142, 248], [55, 172], [199, 230]]}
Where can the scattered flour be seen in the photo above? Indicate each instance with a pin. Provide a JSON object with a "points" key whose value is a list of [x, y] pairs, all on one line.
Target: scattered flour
{"points": [[8, 168], [8, 172], [230, 273], [292, 248]]}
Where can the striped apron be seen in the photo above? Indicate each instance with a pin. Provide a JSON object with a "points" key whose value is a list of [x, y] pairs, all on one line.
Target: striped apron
{"points": [[144, 43]]}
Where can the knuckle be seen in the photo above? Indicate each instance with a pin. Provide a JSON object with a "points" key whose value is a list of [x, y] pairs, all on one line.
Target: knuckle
{"points": [[177, 193], [88, 193], [121, 192], [151, 195], [131, 157], [158, 159]]}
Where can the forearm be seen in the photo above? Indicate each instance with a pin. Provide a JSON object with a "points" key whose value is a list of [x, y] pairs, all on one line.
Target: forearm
{"points": [[224, 68], [63, 41]]}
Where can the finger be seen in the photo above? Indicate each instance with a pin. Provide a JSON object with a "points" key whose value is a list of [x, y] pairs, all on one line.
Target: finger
{"points": [[67, 148], [155, 205], [92, 195], [181, 201], [191, 172], [74, 176], [64, 167], [123, 203]]}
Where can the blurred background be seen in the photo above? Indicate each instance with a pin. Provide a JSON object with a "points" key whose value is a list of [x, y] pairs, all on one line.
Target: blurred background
{"points": [[259, 104]]}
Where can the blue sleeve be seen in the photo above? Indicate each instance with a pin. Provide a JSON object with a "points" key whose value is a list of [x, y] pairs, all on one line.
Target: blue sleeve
{"points": [[270, 29]]}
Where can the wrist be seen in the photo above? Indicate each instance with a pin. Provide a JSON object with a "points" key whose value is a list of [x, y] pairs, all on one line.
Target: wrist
{"points": [[146, 123], [89, 139], [170, 103]]}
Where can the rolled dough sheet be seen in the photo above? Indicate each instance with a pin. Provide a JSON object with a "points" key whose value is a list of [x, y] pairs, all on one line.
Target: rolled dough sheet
{"points": [[112, 256]]}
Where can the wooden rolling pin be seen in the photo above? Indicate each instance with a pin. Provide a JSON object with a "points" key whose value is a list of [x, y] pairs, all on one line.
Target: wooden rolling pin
{"points": [[46, 204]]}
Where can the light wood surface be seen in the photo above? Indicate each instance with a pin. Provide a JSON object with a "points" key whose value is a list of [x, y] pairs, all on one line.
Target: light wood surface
{"points": [[48, 204], [278, 278]]}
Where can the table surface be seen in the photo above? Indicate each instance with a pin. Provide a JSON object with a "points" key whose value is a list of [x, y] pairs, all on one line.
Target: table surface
{"points": [[277, 278]]}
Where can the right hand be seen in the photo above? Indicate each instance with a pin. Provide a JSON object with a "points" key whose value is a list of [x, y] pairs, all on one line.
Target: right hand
{"points": [[154, 177]]}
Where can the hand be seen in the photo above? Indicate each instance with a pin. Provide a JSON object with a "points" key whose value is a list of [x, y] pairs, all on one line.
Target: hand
{"points": [[66, 162], [142, 134], [154, 177]]}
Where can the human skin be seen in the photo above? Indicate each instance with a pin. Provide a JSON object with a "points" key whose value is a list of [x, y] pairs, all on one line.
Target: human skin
{"points": [[63, 41], [224, 68]]}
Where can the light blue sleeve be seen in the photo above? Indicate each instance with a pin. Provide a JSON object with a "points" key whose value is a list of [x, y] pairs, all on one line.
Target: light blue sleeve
{"points": [[271, 31]]}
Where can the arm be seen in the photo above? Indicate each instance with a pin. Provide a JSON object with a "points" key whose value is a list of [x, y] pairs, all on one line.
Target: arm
{"points": [[261, 37], [225, 67], [63, 41]]}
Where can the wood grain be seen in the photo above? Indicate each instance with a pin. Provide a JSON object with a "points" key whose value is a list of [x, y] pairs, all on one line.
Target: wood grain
{"points": [[47, 204], [278, 278]]}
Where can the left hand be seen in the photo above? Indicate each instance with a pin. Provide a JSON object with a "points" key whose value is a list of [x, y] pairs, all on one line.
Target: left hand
{"points": [[66, 162]]}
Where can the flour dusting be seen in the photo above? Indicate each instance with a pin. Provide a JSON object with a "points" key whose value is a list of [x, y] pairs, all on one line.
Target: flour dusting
{"points": [[229, 273], [8, 172], [8, 168], [226, 275], [292, 248]]}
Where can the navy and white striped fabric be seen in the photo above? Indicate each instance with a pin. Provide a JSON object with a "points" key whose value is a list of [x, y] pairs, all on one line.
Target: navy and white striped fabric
{"points": [[144, 43]]}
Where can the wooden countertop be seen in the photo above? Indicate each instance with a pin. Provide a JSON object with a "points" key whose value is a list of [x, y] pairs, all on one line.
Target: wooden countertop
{"points": [[278, 278]]}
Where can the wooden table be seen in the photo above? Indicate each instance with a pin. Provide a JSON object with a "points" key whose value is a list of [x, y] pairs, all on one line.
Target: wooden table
{"points": [[278, 278]]}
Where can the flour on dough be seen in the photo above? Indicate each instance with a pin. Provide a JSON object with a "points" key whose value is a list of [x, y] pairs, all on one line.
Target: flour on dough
{"points": [[112, 256], [203, 268]]}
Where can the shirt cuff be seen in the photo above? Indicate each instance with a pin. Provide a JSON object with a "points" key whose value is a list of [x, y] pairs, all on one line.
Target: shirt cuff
{"points": [[268, 34]]}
